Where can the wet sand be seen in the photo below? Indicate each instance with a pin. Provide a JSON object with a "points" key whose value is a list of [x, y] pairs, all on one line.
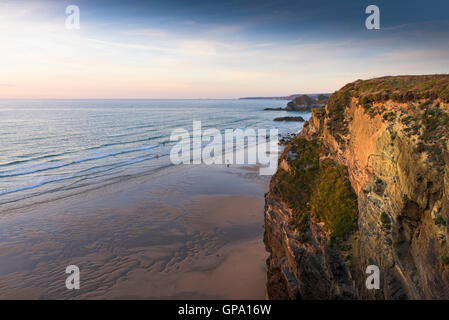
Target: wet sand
{"points": [[191, 232]]}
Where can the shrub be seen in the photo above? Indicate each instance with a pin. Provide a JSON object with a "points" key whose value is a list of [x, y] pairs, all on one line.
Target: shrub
{"points": [[445, 260], [435, 122], [385, 219], [389, 116], [439, 221]]}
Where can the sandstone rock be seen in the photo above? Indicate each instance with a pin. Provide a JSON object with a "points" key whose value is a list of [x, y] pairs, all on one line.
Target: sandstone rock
{"points": [[395, 150]]}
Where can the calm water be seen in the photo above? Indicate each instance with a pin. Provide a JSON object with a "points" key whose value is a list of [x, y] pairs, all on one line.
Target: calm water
{"points": [[51, 148]]}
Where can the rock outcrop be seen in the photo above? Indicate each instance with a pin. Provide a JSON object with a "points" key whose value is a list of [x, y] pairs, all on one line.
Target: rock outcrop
{"points": [[365, 183], [294, 119], [304, 103]]}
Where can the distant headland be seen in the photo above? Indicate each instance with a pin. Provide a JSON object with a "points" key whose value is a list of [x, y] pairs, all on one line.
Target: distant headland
{"points": [[289, 97], [304, 103]]}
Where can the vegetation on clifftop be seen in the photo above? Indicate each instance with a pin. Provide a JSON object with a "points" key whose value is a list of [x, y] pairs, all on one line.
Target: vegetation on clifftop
{"points": [[401, 89], [335, 108]]}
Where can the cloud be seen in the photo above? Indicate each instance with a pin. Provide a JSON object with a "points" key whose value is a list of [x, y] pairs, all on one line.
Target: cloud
{"points": [[127, 45], [421, 54], [147, 32], [39, 56]]}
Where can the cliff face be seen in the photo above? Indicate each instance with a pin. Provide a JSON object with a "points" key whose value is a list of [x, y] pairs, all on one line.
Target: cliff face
{"points": [[385, 141]]}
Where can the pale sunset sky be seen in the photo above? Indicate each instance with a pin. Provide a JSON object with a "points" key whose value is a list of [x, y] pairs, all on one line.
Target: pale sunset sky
{"points": [[213, 49]]}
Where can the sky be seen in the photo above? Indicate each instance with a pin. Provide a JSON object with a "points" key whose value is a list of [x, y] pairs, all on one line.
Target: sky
{"points": [[213, 49]]}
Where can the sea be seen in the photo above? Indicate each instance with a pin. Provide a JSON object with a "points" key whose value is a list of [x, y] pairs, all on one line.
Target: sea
{"points": [[51, 149]]}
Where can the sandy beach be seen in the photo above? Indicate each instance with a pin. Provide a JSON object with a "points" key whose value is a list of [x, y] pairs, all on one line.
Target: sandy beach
{"points": [[185, 232]]}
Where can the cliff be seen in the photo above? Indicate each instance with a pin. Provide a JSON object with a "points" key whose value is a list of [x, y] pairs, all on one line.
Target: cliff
{"points": [[365, 183]]}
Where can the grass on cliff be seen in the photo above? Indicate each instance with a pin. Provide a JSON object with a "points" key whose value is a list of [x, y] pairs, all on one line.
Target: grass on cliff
{"points": [[436, 123], [432, 127], [333, 201], [336, 106], [317, 189], [294, 187], [401, 89]]}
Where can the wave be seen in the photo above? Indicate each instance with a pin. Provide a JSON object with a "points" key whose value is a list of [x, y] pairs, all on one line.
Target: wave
{"points": [[85, 174], [35, 185], [34, 169], [121, 143], [11, 163], [33, 159], [81, 175]]}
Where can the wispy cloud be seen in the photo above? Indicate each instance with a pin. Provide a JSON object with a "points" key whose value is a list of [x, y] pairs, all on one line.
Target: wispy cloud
{"points": [[147, 32], [199, 58], [127, 45], [420, 54]]}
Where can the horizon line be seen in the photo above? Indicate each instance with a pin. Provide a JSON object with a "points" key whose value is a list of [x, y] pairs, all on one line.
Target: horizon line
{"points": [[277, 97]]}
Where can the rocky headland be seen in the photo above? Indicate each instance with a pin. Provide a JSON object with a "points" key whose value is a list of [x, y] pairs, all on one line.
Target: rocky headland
{"points": [[303, 103], [366, 182]]}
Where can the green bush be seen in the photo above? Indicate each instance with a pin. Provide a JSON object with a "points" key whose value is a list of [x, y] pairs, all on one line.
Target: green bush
{"points": [[445, 259], [439, 221], [385, 219]]}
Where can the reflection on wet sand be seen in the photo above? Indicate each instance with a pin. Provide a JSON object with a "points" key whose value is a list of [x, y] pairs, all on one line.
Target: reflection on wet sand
{"points": [[190, 232]]}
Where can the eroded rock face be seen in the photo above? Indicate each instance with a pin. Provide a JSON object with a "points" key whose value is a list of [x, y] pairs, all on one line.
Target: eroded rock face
{"points": [[396, 156], [302, 270]]}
